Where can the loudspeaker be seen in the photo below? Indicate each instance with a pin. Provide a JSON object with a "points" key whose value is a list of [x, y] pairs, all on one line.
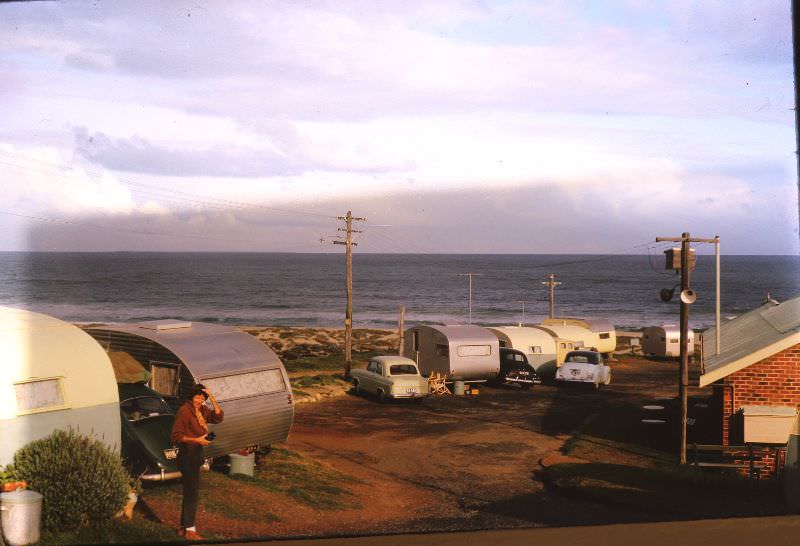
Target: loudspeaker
{"points": [[666, 294], [688, 296]]}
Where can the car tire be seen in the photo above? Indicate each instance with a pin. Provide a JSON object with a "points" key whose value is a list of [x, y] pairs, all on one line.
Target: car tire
{"points": [[382, 398], [356, 388]]}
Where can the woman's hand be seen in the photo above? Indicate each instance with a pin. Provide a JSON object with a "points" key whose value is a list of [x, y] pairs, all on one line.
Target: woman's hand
{"points": [[202, 440]]}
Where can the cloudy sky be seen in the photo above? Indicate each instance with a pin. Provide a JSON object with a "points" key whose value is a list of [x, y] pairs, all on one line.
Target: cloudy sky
{"points": [[451, 126]]}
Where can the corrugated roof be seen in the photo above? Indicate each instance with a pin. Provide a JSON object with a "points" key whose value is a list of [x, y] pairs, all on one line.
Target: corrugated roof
{"points": [[208, 350], [751, 337]]}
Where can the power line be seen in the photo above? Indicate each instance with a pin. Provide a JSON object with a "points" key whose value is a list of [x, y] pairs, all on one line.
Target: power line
{"points": [[127, 182]]}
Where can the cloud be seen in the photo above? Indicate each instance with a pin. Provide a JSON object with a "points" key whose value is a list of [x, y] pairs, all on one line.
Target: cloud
{"points": [[137, 154]]}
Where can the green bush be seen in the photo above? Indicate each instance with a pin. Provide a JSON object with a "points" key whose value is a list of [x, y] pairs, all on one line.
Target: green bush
{"points": [[82, 480]]}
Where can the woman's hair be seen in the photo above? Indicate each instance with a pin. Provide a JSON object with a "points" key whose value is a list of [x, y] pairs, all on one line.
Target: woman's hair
{"points": [[198, 389]]}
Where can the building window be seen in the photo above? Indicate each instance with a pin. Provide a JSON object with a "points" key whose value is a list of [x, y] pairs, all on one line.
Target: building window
{"points": [[39, 395]]}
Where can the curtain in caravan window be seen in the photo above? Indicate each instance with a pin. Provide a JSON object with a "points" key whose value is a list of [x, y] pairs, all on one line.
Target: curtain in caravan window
{"points": [[39, 395], [474, 350], [246, 384], [164, 378]]}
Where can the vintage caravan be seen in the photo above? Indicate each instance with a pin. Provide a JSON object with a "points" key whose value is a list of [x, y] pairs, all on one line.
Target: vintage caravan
{"points": [[54, 376], [543, 350], [461, 352], [245, 375], [665, 341], [589, 333]]}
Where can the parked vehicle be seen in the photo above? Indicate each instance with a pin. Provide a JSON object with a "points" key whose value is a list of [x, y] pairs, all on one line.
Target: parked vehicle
{"points": [[146, 425], [515, 368], [390, 377], [584, 367]]}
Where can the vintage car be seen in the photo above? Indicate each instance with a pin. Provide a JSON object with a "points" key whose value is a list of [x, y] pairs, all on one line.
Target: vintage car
{"points": [[515, 369], [390, 377], [584, 367], [146, 426]]}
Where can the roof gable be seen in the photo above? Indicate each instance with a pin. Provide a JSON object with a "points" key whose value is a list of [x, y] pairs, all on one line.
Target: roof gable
{"points": [[749, 338]]}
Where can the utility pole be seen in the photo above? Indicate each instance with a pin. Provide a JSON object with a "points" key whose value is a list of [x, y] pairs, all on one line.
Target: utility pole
{"points": [[400, 327], [686, 299], [348, 317], [551, 282], [523, 302], [470, 274]]}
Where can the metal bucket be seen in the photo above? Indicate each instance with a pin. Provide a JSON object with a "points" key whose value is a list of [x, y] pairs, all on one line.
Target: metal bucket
{"points": [[21, 516], [458, 388], [243, 464]]}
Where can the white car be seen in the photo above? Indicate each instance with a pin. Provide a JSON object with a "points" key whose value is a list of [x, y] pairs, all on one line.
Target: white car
{"points": [[390, 377], [584, 367]]}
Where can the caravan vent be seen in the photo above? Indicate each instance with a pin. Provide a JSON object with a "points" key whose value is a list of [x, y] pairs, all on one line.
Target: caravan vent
{"points": [[165, 324]]}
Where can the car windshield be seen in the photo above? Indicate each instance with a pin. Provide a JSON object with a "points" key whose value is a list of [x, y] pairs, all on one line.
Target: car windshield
{"points": [[587, 358], [144, 407], [403, 369]]}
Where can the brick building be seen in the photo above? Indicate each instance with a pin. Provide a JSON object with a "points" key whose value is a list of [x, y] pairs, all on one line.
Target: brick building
{"points": [[756, 380]]}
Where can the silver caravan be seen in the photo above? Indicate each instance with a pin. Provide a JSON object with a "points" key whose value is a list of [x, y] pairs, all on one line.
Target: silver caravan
{"points": [[245, 375], [665, 341], [460, 352]]}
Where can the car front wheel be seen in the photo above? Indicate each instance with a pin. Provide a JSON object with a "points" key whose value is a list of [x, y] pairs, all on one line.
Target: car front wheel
{"points": [[356, 387]]}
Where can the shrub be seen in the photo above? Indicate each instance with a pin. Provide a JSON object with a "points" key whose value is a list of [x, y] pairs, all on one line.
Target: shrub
{"points": [[82, 480]]}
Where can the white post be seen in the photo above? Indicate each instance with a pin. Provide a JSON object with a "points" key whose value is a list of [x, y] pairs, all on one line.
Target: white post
{"points": [[716, 248]]}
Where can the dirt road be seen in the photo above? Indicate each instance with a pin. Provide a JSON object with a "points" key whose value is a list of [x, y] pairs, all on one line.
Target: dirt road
{"points": [[472, 462]]}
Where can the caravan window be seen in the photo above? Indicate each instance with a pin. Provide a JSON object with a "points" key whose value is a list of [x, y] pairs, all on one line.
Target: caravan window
{"points": [[442, 350], [164, 378], [416, 340], [535, 349], [39, 395], [474, 350], [605, 335], [246, 384]]}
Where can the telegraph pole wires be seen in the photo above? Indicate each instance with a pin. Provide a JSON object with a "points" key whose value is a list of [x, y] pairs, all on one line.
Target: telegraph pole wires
{"points": [[687, 298], [470, 274], [348, 317], [552, 283]]}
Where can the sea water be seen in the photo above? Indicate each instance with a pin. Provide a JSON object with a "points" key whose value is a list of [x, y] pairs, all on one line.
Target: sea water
{"points": [[309, 289]]}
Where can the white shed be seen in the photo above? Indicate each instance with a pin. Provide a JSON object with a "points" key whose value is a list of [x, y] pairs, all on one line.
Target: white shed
{"points": [[588, 333], [545, 352], [665, 341], [53, 376], [461, 352]]}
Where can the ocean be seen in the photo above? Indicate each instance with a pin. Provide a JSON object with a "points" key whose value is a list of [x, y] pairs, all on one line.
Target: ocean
{"points": [[272, 289]]}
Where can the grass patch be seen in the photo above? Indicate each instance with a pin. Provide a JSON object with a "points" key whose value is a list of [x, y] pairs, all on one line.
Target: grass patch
{"points": [[316, 380], [667, 491], [328, 362], [307, 481], [136, 531]]}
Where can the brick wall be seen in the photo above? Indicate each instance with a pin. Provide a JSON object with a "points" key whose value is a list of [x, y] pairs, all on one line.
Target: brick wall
{"points": [[774, 381]]}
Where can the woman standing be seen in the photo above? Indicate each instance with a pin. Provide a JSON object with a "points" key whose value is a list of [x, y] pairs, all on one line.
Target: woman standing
{"points": [[189, 433]]}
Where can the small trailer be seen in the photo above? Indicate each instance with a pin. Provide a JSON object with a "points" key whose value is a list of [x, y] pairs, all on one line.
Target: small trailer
{"points": [[54, 377], [543, 350], [665, 341], [590, 333], [247, 377], [460, 352]]}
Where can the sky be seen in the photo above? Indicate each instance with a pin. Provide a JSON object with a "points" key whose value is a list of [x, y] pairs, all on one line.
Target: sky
{"points": [[450, 126]]}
